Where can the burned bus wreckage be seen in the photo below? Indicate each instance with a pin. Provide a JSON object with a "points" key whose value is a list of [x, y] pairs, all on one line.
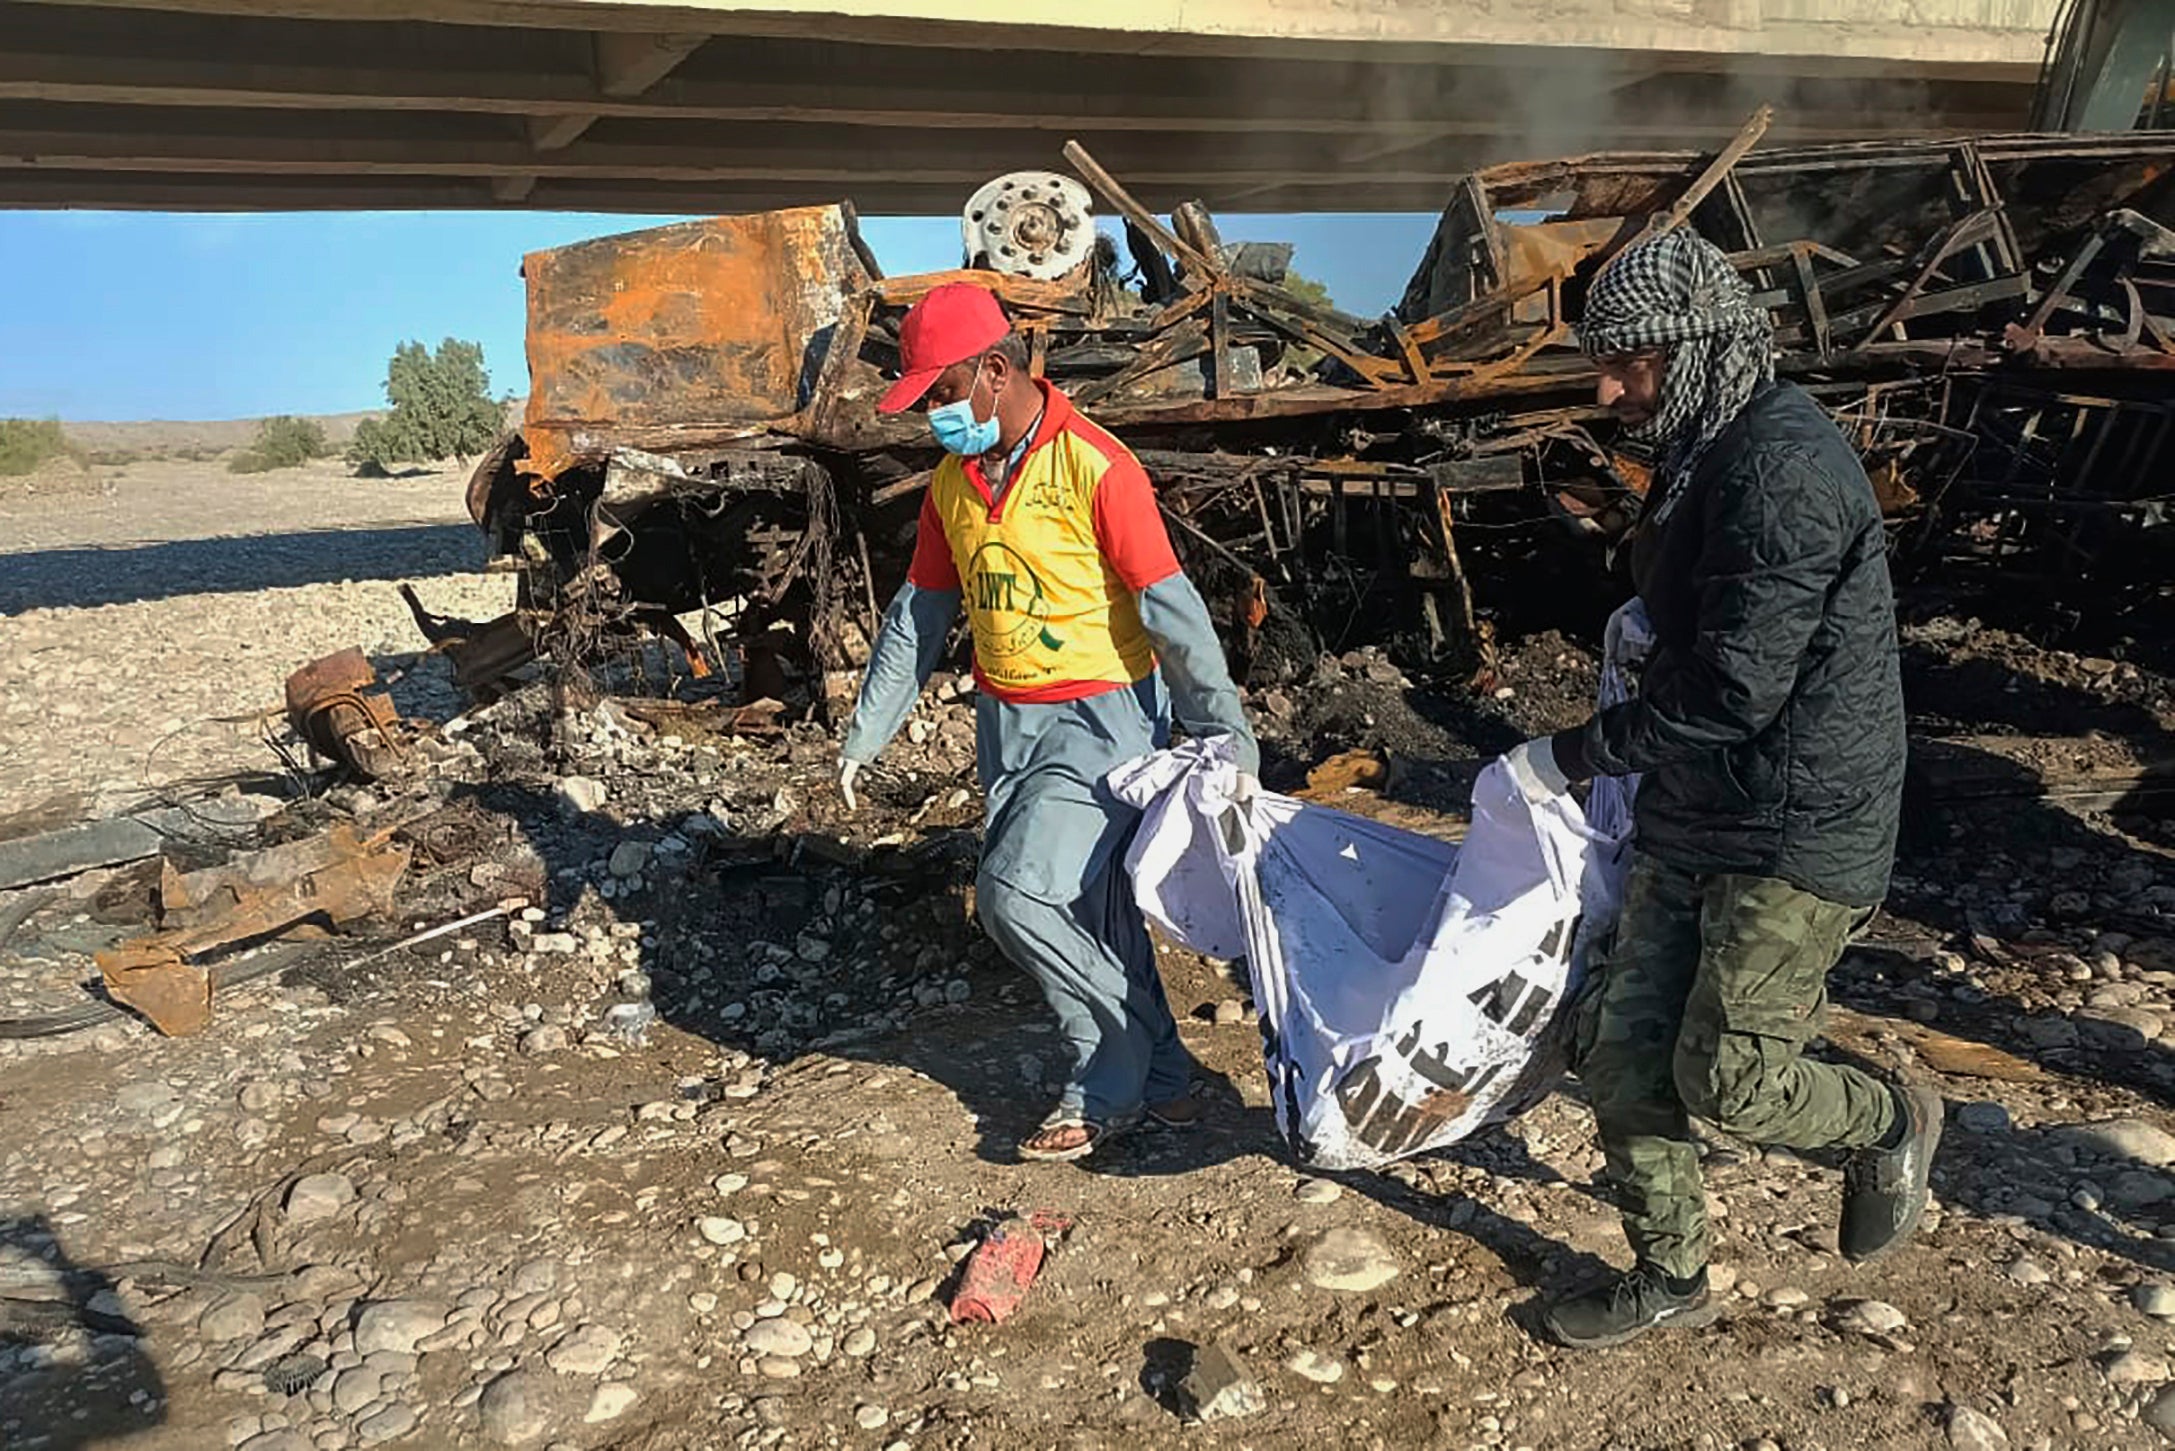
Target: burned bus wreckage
{"points": [[1992, 321]]}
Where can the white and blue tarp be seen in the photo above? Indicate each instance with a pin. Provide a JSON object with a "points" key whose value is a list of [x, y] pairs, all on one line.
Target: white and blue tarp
{"points": [[1411, 990]]}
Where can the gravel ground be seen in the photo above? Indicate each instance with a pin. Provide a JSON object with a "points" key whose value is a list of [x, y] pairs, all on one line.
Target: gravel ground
{"points": [[143, 630], [456, 1197]]}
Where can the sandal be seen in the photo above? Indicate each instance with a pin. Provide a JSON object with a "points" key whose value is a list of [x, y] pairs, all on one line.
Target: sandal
{"points": [[1181, 1113], [1095, 1132]]}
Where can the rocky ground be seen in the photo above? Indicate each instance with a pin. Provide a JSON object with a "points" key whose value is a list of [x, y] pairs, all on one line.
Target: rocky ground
{"points": [[685, 1149], [148, 621]]}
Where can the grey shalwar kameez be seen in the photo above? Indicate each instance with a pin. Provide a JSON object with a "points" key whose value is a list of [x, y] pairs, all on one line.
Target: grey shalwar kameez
{"points": [[1052, 888]]}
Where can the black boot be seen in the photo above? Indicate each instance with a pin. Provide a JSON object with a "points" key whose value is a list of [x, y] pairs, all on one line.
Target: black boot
{"points": [[1884, 1187], [1631, 1304]]}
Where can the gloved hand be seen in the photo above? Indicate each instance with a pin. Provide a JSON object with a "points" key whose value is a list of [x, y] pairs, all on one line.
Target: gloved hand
{"points": [[1533, 767], [1243, 794], [847, 770]]}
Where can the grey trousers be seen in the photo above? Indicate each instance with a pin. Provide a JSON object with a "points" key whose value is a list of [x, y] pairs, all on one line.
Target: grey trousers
{"points": [[1054, 894]]}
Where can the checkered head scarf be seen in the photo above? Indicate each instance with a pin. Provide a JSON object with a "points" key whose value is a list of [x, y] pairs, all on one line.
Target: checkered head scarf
{"points": [[1678, 292]]}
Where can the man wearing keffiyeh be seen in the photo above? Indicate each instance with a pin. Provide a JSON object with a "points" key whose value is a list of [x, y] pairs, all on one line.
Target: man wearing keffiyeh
{"points": [[1767, 731]]}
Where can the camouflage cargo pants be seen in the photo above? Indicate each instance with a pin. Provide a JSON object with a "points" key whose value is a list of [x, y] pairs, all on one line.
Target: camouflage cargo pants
{"points": [[1703, 1007]]}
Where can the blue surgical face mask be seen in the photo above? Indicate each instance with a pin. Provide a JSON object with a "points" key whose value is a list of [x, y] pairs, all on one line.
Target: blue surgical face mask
{"points": [[956, 428]]}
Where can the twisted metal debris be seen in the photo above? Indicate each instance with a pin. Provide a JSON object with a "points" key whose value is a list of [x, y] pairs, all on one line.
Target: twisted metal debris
{"points": [[1992, 320]]}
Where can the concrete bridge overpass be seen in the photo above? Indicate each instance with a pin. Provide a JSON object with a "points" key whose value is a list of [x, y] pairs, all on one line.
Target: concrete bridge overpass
{"points": [[904, 107]]}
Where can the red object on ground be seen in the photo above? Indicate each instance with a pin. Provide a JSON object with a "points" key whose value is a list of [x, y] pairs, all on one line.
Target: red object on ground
{"points": [[1001, 1268]]}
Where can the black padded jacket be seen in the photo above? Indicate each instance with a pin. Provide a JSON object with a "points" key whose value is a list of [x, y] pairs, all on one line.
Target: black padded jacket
{"points": [[1768, 725]]}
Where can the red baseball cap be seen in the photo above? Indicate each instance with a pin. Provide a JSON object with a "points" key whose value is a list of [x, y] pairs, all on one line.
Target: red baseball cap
{"points": [[950, 325]]}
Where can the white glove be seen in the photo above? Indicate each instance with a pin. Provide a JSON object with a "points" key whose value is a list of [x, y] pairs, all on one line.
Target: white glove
{"points": [[1243, 794], [847, 770], [1533, 767]]}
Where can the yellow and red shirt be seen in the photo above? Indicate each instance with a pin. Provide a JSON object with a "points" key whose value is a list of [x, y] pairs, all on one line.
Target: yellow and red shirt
{"points": [[1049, 572]]}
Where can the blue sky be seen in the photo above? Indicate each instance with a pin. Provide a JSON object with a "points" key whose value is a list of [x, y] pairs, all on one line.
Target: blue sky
{"points": [[115, 315]]}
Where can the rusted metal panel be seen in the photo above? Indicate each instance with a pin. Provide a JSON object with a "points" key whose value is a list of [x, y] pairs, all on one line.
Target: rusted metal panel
{"points": [[330, 705], [715, 325], [330, 880]]}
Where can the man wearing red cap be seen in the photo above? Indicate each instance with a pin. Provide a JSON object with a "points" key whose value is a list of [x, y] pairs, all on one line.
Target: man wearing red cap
{"points": [[1046, 527]]}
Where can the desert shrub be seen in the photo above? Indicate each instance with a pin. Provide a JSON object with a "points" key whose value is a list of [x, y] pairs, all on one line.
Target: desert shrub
{"points": [[442, 408], [26, 443], [281, 443]]}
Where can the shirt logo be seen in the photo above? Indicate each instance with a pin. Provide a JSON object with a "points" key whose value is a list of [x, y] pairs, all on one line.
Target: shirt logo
{"points": [[1045, 494], [1005, 594]]}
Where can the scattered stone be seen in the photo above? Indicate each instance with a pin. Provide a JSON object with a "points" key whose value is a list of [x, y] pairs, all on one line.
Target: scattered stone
{"points": [[396, 1324], [721, 1230], [319, 1196], [871, 1417], [627, 859], [537, 1277], [2159, 1412], [234, 1317], [152, 1100], [859, 1342], [1353, 1260], [585, 1351], [579, 795], [2137, 1189], [1970, 1430], [1219, 1387], [2155, 1298], [1784, 1297], [257, 1096], [390, 1424], [2031, 1207], [1314, 1366], [2124, 1138], [1983, 1118], [1318, 1191], [356, 1388], [281, 1440], [516, 1408], [2134, 1368], [611, 1401], [2026, 1271], [545, 1038], [1230, 1011], [1871, 1317], [778, 1337]]}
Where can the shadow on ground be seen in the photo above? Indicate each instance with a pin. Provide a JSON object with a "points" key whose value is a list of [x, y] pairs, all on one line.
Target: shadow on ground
{"points": [[82, 577], [74, 1368]]}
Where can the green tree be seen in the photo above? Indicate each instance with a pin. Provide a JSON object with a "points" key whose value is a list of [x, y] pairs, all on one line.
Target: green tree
{"points": [[1306, 289], [26, 443], [281, 443], [1297, 357], [442, 408]]}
